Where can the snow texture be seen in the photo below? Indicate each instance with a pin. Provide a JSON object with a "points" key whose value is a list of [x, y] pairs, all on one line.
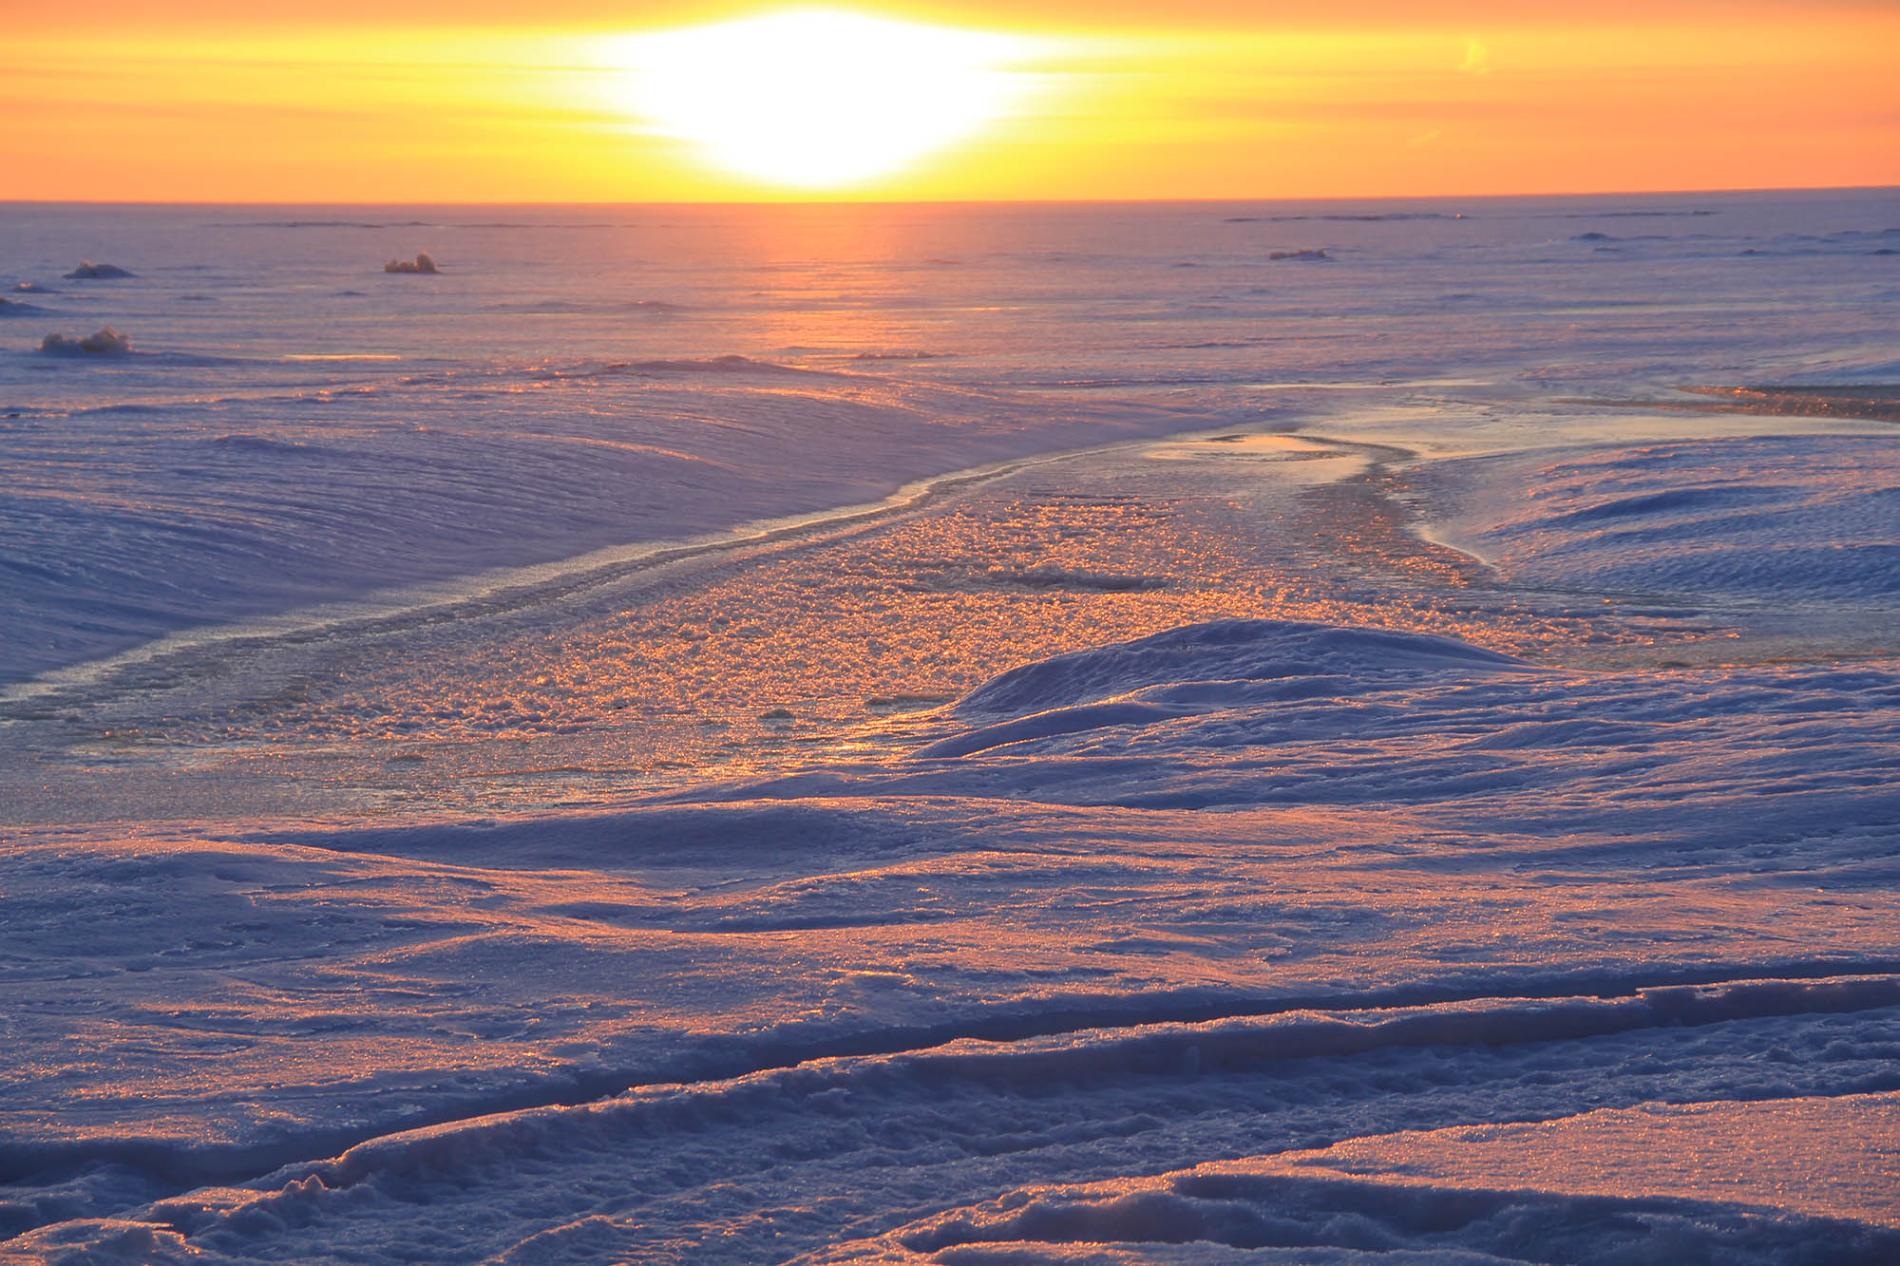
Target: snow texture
{"points": [[1463, 832]]}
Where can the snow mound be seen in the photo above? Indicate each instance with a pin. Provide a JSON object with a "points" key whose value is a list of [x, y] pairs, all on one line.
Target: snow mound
{"points": [[89, 271], [104, 341], [1228, 666], [1225, 650], [1253, 713]]}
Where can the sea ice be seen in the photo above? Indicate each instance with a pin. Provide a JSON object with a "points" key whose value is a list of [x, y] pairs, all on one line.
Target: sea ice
{"points": [[104, 341], [1295, 889], [89, 271]]}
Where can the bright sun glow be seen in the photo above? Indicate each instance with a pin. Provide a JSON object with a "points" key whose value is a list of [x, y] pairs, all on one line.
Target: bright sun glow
{"points": [[818, 98]]}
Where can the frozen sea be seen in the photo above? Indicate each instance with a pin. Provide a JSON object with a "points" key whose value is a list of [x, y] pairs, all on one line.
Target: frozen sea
{"points": [[1285, 732]]}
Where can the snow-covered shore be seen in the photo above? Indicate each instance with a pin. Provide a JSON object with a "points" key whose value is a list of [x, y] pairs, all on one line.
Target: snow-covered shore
{"points": [[1462, 831]]}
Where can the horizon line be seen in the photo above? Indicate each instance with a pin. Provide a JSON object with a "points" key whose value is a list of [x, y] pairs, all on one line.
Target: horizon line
{"points": [[946, 202]]}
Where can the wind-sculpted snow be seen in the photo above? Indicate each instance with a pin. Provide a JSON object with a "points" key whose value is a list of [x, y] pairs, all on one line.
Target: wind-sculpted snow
{"points": [[1696, 1184], [1230, 651], [1437, 814], [1267, 712], [1211, 667], [89, 271], [126, 523], [1774, 517], [1431, 860]]}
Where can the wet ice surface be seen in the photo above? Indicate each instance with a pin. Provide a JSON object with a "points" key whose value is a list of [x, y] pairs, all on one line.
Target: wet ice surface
{"points": [[1458, 831]]}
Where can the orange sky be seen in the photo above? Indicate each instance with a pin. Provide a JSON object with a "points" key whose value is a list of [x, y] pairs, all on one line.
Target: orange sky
{"points": [[489, 100]]}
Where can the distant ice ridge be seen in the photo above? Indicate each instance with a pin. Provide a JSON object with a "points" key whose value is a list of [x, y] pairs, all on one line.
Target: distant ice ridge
{"points": [[89, 271], [1386, 217], [104, 341], [1773, 518], [1847, 241], [1878, 369], [728, 364]]}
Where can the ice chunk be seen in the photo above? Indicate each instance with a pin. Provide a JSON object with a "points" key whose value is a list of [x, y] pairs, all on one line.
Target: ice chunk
{"points": [[105, 341], [89, 271]]}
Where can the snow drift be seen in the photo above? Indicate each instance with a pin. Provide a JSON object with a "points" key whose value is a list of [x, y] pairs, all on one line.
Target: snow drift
{"points": [[1784, 517], [974, 970]]}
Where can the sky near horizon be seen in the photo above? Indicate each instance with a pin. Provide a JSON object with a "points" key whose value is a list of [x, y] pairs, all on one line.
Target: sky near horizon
{"points": [[579, 100]]}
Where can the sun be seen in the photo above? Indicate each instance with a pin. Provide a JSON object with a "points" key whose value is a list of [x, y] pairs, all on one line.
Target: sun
{"points": [[818, 98]]}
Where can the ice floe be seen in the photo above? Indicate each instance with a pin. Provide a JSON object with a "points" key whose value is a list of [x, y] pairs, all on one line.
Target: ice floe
{"points": [[105, 341]]}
